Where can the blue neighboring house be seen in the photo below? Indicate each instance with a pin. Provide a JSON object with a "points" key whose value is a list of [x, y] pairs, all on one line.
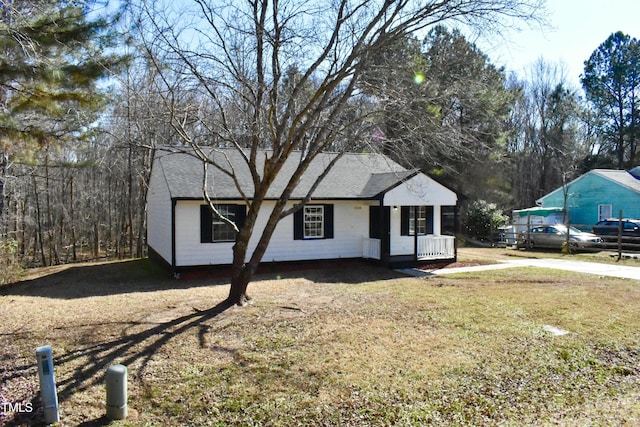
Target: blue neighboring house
{"points": [[597, 195]]}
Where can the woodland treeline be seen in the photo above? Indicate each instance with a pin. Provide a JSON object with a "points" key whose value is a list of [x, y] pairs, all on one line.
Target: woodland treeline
{"points": [[86, 100]]}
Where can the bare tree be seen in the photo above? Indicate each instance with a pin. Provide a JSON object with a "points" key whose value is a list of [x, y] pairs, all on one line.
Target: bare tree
{"points": [[547, 141], [225, 81]]}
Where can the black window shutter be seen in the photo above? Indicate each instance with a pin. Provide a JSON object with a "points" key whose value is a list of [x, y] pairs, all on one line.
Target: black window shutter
{"points": [[429, 213], [241, 215], [206, 220], [328, 221], [374, 222], [298, 220], [404, 220]]}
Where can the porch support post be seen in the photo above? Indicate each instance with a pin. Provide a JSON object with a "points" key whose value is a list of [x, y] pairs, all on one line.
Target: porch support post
{"points": [[385, 231], [437, 220], [456, 233]]}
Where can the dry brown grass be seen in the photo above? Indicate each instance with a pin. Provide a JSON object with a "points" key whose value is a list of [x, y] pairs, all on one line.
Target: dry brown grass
{"points": [[357, 346]]}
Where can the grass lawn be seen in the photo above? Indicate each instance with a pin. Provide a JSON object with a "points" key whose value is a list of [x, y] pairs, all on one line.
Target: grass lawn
{"points": [[358, 346]]}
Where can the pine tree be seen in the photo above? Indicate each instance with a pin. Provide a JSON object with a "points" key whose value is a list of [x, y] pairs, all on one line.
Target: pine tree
{"points": [[611, 81], [52, 57]]}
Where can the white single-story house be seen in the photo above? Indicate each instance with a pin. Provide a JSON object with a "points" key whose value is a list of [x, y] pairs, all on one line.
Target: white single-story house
{"points": [[367, 206]]}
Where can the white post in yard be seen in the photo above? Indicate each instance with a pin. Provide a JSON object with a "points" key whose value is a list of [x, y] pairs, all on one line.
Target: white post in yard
{"points": [[116, 381], [47, 384]]}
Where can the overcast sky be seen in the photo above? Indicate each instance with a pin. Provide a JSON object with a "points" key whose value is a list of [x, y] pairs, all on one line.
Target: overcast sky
{"points": [[579, 27]]}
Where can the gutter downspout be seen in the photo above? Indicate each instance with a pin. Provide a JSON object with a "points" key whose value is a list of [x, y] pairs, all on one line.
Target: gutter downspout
{"points": [[415, 234], [173, 235]]}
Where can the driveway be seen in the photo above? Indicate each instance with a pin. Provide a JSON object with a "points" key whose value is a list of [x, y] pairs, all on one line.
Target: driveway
{"points": [[558, 264]]}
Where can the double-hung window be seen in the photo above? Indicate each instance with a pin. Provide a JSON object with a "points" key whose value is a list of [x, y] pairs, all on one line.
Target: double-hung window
{"points": [[313, 222], [418, 220], [220, 230], [213, 229]]}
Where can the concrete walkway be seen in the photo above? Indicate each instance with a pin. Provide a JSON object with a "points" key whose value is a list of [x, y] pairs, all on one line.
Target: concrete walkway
{"points": [[610, 270], [599, 269]]}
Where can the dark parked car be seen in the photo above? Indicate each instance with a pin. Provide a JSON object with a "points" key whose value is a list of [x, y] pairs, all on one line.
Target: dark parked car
{"points": [[554, 236], [608, 229]]}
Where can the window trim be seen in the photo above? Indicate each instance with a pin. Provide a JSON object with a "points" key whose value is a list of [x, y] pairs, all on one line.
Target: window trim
{"points": [[601, 208], [220, 227], [314, 224], [208, 221], [407, 220], [421, 221], [327, 222]]}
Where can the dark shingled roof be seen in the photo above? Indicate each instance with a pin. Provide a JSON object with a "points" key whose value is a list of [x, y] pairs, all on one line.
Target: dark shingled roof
{"points": [[354, 176]]}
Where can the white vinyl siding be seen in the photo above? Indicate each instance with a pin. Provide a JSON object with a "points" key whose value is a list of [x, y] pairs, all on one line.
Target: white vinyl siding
{"points": [[420, 191], [351, 225], [159, 216]]}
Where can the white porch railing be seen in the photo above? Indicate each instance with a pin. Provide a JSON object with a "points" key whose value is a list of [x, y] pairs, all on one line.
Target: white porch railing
{"points": [[436, 247], [371, 248], [429, 247]]}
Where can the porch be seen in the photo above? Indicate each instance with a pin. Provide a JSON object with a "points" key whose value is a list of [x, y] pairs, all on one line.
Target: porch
{"points": [[429, 247]]}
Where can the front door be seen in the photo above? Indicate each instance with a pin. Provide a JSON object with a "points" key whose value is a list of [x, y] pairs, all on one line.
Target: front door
{"points": [[380, 228]]}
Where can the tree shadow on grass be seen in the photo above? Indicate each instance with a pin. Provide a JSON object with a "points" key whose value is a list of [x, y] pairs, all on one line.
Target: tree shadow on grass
{"points": [[112, 278], [84, 367], [133, 349], [142, 275]]}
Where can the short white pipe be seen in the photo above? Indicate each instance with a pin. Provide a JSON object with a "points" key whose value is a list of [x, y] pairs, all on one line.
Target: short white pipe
{"points": [[116, 382], [47, 384]]}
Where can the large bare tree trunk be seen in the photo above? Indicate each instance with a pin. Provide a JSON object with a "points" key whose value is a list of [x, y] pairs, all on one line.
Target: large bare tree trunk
{"points": [[243, 272], [240, 279]]}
